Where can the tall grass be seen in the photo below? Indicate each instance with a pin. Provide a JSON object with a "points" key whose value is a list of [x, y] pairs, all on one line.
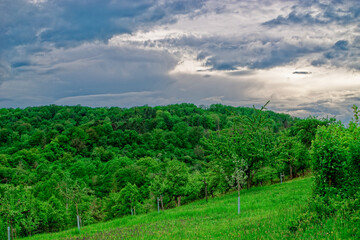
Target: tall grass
{"points": [[265, 214]]}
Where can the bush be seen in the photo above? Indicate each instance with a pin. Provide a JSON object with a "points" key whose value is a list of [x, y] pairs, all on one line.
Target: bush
{"points": [[336, 198], [335, 160]]}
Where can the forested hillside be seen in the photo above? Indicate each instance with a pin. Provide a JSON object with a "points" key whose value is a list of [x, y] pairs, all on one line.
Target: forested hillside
{"points": [[57, 162]]}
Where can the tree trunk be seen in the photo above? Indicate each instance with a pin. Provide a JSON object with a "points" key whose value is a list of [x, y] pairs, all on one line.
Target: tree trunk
{"points": [[162, 203], [249, 180], [206, 195], [179, 201], [12, 230], [291, 171], [77, 210]]}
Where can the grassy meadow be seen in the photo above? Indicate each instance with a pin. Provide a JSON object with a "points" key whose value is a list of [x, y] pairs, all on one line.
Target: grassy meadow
{"points": [[266, 213]]}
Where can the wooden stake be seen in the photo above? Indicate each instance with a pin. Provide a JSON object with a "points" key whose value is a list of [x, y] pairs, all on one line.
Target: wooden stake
{"points": [[162, 203], [78, 222], [206, 195], [158, 205]]}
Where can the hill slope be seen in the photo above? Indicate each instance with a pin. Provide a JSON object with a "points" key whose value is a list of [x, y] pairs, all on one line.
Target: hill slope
{"points": [[265, 214]]}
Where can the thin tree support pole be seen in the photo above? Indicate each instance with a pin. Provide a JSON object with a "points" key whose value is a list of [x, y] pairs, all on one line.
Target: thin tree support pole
{"points": [[238, 197], [206, 195], [12, 232], [162, 203], [9, 236], [78, 222], [158, 204]]}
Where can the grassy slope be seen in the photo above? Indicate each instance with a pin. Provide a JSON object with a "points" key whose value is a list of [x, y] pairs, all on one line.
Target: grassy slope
{"points": [[265, 214]]}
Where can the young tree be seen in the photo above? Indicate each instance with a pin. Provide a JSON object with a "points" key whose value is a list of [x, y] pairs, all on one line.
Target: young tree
{"points": [[291, 152], [238, 178], [130, 198], [177, 177], [253, 141], [157, 188], [248, 141], [9, 208]]}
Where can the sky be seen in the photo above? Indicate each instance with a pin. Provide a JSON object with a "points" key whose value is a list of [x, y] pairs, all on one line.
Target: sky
{"points": [[303, 56]]}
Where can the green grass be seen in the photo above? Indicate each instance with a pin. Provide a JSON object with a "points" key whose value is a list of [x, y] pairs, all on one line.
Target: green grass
{"points": [[265, 214]]}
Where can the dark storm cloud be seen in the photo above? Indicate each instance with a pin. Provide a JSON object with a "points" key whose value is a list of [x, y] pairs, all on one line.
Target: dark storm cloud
{"points": [[341, 45], [31, 29], [340, 12], [342, 53], [19, 22], [294, 18], [301, 72], [335, 104], [67, 21], [5, 69], [4, 99], [254, 51], [100, 19], [220, 65], [283, 53], [241, 73], [91, 69]]}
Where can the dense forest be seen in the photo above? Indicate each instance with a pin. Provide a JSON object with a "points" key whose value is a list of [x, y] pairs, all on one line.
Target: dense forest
{"points": [[60, 162]]}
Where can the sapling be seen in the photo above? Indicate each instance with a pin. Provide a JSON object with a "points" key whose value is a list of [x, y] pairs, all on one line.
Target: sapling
{"points": [[238, 177]]}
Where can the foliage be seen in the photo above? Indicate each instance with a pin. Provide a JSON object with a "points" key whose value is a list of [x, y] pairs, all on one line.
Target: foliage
{"points": [[57, 162], [244, 149], [335, 160]]}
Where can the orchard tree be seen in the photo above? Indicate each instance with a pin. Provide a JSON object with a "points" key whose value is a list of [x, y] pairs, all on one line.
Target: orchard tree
{"points": [[291, 152], [158, 188], [129, 198], [248, 141], [238, 177], [177, 177], [252, 141]]}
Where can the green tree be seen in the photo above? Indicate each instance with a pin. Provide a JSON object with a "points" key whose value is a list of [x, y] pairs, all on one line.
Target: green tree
{"points": [[249, 141], [177, 178], [158, 188], [291, 152], [129, 198]]}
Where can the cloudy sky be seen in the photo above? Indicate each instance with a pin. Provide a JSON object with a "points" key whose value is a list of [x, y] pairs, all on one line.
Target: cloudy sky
{"points": [[304, 56]]}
